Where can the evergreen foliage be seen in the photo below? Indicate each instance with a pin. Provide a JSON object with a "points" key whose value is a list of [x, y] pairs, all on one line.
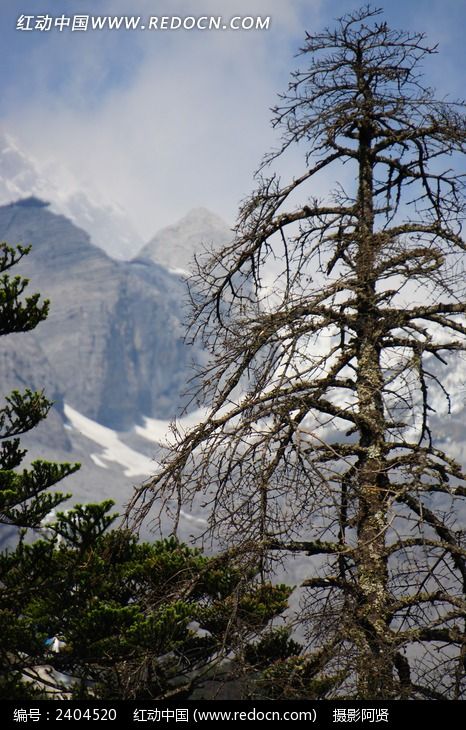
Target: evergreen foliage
{"points": [[133, 620], [24, 496]]}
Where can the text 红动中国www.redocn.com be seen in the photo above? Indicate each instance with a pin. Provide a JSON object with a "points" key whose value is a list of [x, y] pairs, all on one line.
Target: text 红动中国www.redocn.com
{"points": [[82, 23]]}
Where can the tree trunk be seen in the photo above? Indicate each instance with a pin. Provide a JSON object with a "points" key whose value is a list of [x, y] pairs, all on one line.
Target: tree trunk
{"points": [[375, 673]]}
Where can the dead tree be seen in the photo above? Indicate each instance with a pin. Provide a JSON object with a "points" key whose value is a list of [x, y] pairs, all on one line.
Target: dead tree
{"points": [[329, 320]]}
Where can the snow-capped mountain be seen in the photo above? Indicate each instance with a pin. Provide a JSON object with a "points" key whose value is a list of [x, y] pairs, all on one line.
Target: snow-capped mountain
{"points": [[106, 223], [174, 246]]}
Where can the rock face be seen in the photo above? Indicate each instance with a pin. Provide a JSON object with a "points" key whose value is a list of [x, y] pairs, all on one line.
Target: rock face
{"points": [[23, 364], [113, 342], [175, 246]]}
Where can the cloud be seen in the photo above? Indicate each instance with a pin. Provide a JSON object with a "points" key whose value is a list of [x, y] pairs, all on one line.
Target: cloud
{"points": [[166, 121], [184, 125]]}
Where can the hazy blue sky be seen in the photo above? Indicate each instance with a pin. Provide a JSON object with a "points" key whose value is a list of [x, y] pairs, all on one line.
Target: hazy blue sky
{"points": [[160, 122]]}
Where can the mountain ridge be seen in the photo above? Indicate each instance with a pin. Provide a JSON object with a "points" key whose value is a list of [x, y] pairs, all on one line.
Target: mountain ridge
{"points": [[114, 335], [174, 246]]}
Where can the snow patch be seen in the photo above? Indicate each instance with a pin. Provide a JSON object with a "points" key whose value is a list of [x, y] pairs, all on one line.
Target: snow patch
{"points": [[191, 518], [98, 462], [161, 432], [133, 462], [114, 450], [180, 272]]}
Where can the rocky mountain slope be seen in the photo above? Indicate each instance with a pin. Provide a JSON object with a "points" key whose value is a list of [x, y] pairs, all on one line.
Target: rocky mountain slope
{"points": [[113, 343], [111, 353], [174, 246]]}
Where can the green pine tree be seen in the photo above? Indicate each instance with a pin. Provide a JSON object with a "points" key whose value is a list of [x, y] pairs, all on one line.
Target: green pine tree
{"points": [[132, 620], [24, 496]]}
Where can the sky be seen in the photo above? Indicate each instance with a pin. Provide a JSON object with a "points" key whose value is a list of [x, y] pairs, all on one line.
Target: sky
{"points": [[159, 122]]}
